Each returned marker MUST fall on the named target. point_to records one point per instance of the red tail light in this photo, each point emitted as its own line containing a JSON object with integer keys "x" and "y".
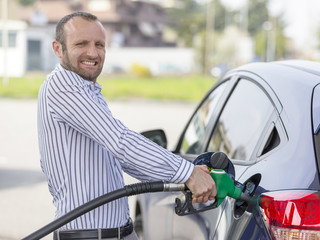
{"x": 292, "y": 215}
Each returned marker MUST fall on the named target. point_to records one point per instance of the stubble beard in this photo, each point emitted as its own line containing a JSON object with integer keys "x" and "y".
{"x": 67, "y": 64}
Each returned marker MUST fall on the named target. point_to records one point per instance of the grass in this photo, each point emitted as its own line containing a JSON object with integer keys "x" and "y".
{"x": 186, "y": 88}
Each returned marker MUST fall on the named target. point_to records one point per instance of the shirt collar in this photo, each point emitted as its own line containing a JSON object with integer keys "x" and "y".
{"x": 94, "y": 86}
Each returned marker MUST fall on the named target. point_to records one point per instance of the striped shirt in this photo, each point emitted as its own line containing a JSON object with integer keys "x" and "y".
{"x": 84, "y": 150}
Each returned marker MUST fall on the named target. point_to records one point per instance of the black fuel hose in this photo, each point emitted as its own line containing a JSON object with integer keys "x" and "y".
{"x": 126, "y": 191}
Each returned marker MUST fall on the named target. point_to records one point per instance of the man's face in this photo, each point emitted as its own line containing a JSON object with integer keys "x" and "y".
{"x": 85, "y": 48}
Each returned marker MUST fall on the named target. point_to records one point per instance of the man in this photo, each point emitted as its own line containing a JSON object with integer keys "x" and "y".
{"x": 84, "y": 149}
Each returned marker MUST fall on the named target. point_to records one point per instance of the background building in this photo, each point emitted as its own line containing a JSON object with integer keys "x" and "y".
{"x": 13, "y": 56}
{"x": 134, "y": 35}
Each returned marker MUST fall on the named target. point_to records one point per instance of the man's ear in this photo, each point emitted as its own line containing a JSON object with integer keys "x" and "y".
{"x": 57, "y": 48}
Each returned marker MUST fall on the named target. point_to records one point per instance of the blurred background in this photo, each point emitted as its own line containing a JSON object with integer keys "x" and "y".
{"x": 162, "y": 57}
{"x": 165, "y": 36}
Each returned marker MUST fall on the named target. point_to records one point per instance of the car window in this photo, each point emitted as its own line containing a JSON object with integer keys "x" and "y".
{"x": 242, "y": 121}
{"x": 199, "y": 122}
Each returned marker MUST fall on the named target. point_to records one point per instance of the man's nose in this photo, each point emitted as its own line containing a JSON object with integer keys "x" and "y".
{"x": 92, "y": 50}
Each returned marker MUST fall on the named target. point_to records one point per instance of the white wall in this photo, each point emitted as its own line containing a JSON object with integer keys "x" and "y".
{"x": 158, "y": 60}
{"x": 15, "y": 56}
{"x": 45, "y": 35}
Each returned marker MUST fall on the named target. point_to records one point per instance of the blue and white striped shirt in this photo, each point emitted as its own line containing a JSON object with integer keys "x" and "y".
{"x": 84, "y": 150}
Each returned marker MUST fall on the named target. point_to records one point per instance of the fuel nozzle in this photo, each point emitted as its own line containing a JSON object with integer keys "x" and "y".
{"x": 223, "y": 173}
{"x": 226, "y": 187}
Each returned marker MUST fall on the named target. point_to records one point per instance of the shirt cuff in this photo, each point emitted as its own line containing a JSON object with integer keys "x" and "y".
{"x": 184, "y": 172}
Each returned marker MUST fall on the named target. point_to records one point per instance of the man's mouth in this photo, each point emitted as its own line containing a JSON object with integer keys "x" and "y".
{"x": 89, "y": 63}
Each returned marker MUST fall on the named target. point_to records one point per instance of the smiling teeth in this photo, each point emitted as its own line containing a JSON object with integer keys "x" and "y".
{"x": 89, "y": 63}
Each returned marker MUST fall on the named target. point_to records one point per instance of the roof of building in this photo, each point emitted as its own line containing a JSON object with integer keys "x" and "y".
{"x": 107, "y": 11}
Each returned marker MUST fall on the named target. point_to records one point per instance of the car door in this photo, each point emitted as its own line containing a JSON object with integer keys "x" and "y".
{"x": 237, "y": 125}
{"x": 190, "y": 146}
{"x": 162, "y": 204}
{"x": 247, "y": 129}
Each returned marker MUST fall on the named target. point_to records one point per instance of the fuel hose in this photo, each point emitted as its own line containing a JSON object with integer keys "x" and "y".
{"x": 126, "y": 191}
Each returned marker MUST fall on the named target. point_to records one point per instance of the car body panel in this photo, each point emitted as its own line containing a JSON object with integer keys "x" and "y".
{"x": 316, "y": 109}
{"x": 293, "y": 88}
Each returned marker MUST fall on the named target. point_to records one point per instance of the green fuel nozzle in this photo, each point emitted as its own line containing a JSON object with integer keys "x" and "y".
{"x": 225, "y": 187}
{"x": 222, "y": 171}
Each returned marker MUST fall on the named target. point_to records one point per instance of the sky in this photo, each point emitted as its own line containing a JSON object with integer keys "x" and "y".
{"x": 302, "y": 18}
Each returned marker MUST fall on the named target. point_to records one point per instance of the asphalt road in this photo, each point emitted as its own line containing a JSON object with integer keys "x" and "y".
{"x": 25, "y": 202}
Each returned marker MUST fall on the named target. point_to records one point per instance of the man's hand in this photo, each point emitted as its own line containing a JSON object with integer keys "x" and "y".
{"x": 201, "y": 185}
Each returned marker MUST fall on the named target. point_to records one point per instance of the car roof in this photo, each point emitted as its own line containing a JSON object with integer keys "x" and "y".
{"x": 286, "y": 78}
{"x": 267, "y": 69}
{"x": 292, "y": 82}
{"x": 296, "y": 84}
{"x": 303, "y": 65}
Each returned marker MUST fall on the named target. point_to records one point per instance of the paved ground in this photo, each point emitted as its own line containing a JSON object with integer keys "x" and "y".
{"x": 25, "y": 203}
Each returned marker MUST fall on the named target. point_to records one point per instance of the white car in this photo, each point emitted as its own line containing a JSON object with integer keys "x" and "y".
{"x": 266, "y": 118}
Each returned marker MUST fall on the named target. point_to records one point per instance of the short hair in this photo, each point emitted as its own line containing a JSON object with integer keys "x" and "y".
{"x": 60, "y": 36}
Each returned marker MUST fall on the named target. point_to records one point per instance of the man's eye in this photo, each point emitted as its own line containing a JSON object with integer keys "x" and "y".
{"x": 100, "y": 45}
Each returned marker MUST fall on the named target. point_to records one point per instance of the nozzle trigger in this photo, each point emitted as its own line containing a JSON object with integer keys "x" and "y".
{"x": 187, "y": 207}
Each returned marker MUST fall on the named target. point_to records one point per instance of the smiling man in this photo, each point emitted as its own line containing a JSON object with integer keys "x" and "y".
{"x": 84, "y": 150}
{"x": 80, "y": 45}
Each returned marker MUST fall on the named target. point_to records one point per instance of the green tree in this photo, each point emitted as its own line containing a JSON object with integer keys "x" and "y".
{"x": 26, "y": 2}
{"x": 281, "y": 40}
{"x": 258, "y": 15}
{"x": 259, "y": 25}
{"x": 190, "y": 23}
{"x": 219, "y": 16}
{"x": 189, "y": 19}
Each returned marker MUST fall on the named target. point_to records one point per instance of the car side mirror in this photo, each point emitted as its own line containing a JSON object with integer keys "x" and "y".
{"x": 158, "y": 136}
